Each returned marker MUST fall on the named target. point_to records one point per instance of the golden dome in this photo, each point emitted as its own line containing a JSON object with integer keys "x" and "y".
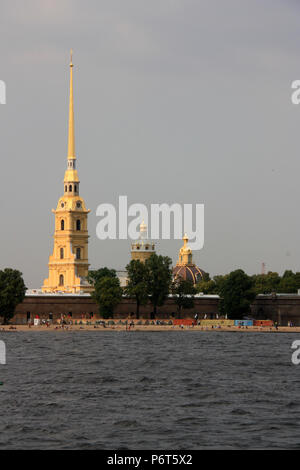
{"x": 185, "y": 267}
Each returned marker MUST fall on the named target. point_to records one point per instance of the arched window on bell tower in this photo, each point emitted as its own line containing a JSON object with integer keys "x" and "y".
{"x": 61, "y": 280}
{"x": 78, "y": 225}
{"x": 61, "y": 253}
{"x": 70, "y": 188}
{"x": 62, "y": 225}
{"x": 78, "y": 253}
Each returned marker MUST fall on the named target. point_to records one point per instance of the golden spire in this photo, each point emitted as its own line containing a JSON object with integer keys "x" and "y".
{"x": 71, "y": 138}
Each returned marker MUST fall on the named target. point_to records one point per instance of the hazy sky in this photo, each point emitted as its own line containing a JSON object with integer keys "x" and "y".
{"x": 182, "y": 101}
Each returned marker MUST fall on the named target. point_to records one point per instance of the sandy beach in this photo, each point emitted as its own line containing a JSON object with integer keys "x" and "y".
{"x": 150, "y": 328}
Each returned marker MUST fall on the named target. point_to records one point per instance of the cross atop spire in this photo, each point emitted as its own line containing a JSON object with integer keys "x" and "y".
{"x": 71, "y": 138}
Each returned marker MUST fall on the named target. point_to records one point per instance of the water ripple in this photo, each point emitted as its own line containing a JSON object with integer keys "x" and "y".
{"x": 166, "y": 390}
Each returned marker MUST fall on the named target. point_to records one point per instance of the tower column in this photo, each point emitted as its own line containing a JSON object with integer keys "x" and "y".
{"x": 68, "y": 264}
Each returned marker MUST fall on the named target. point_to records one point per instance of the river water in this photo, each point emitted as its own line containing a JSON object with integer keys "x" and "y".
{"x": 149, "y": 390}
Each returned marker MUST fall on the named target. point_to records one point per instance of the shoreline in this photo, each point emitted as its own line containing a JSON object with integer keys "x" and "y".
{"x": 148, "y": 328}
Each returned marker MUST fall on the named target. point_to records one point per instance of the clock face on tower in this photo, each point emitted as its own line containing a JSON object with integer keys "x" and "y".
{"x": 78, "y": 205}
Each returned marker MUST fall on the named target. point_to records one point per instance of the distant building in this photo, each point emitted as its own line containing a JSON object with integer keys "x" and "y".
{"x": 68, "y": 264}
{"x": 123, "y": 277}
{"x": 185, "y": 267}
{"x": 142, "y": 248}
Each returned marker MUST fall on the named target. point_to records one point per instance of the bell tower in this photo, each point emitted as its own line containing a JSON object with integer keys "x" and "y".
{"x": 142, "y": 248}
{"x": 68, "y": 264}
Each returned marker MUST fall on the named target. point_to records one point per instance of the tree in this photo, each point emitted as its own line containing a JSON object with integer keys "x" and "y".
{"x": 211, "y": 286}
{"x": 266, "y": 283}
{"x": 159, "y": 278}
{"x": 206, "y": 287}
{"x": 95, "y": 276}
{"x": 237, "y": 293}
{"x": 205, "y": 277}
{"x": 289, "y": 283}
{"x": 183, "y": 292}
{"x": 137, "y": 283}
{"x": 12, "y": 292}
{"x": 107, "y": 294}
{"x": 219, "y": 281}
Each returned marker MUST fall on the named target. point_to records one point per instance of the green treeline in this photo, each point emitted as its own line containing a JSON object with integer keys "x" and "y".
{"x": 153, "y": 282}
{"x": 288, "y": 283}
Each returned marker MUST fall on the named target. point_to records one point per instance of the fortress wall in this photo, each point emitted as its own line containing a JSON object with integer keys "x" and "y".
{"x": 83, "y": 305}
{"x": 281, "y": 308}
